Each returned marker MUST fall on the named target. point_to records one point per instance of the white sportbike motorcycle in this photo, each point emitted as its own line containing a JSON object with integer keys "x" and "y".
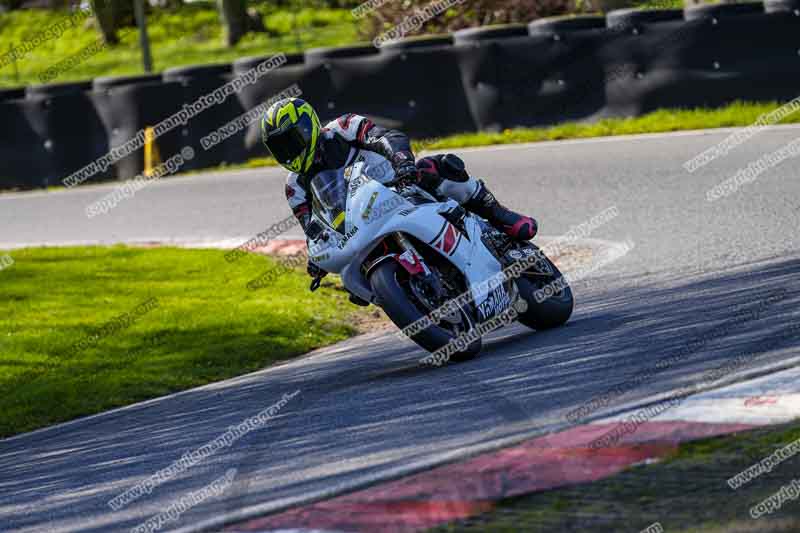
{"x": 415, "y": 256}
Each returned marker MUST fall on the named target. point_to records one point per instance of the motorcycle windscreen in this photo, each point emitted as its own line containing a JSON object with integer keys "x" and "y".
{"x": 329, "y": 192}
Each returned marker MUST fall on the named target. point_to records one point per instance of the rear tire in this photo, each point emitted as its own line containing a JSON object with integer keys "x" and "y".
{"x": 556, "y": 308}
{"x": 403, "y": 311}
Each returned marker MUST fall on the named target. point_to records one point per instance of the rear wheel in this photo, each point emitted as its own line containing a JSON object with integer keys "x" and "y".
{"x": 548, "y": 295}
{"x": 405, "y": 304}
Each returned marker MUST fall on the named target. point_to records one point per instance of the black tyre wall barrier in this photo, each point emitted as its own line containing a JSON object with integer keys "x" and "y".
{"x": 56, "y": 89}
{"x": 412, "y": 43}
{"x": 705, "y": 63}
{"x": 347, "y": 67}
{"x": 551, "y": 71}
{"x": 25, "y": 158}
{"x": 783, "y": 6}
{"x": 530, "y": 81}
{"x": 115, "y": 81}
{"x": 418, "y": 91}
{"x": 638, "y": 62}
{"x": 127, "y": 110}
{"x": 320, "y": 55}
{"x": 72, "y": 130}
{"x": 718, "y": 11}
{"x": 635, "y": 19}
{"x": 244, "y": 64}
{"x": 432, "y": 101}
{"x": 487, "y": 33}
{"x": 312, "y": 82}
{"x": 559, "y": 25}
{"x": 11, "y": 94}
{"x": 198, "y": 82}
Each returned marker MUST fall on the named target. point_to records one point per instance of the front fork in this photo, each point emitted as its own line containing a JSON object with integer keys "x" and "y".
{"x": 409, "y": 258}
{"x": 424, "y": 282}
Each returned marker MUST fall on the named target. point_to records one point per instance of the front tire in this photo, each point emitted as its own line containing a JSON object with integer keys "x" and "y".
{"x": 387, "y": 282}
{"x": 548, "y": 295}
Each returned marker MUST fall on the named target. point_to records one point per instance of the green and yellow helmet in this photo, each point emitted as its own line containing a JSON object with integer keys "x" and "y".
{"x": 290, "y": 129}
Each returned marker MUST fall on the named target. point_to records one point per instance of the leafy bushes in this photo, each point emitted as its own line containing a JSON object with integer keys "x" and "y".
{"x": 466, "y": 14}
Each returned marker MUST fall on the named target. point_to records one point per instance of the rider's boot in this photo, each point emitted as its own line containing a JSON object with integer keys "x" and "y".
{"x": 446, "y": 175}
{"x": 484, "y": 204}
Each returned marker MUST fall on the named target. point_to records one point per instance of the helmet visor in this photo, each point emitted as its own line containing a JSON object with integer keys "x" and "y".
{"x": 290, "y": 143}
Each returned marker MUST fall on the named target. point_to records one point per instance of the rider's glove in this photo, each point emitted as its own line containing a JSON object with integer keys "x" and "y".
{"x": 404, "y": 166}
{"x": 314, "y": 271}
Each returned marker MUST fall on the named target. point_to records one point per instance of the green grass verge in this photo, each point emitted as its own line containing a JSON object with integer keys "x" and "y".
{"x": 660, "y": 4}
{"x": 206, "y": 327}
{"x": 686, "y": 493}
{"x": 191, "y": 35}
{"x": 666, "y": 120}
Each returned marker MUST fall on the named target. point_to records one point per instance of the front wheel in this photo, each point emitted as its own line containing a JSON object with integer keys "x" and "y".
{"x": 548, "y": 295}
{"x": 404, "y": 305}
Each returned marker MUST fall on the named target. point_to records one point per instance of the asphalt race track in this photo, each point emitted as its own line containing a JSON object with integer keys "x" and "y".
{"x": 366, "y": 410}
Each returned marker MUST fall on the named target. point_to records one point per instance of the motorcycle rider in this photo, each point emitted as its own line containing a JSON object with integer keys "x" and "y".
{"x": 292, "y": 132}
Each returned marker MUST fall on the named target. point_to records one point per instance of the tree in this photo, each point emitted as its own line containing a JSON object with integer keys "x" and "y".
{"x": 111, "y": 15}
{"x": 238, "y": 20}
{"x": 466, "y": 15}
{"x": 9, "y": 5}
{"x": 104, "y": 15}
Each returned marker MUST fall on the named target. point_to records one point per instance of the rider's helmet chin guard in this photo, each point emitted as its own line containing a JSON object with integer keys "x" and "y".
{"x": 290, "y": 129}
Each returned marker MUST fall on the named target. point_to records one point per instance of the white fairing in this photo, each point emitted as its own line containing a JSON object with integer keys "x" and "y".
{"x": 374, "y": 211}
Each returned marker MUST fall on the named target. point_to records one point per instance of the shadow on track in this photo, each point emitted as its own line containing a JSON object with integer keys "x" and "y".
{"x": 367, "y": 407}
